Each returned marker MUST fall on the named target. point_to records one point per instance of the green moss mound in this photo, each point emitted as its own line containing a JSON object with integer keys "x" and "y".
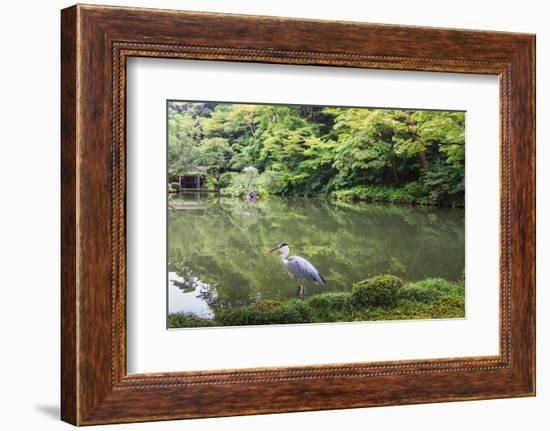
{"x": 381, "y": 291}
{"x": 432, "y": 289}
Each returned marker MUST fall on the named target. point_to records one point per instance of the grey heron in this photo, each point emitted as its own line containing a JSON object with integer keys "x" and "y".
{"x": 298, "y": 267}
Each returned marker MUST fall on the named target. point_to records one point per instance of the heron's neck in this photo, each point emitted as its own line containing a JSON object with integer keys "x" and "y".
{"x": 282, "y": 258}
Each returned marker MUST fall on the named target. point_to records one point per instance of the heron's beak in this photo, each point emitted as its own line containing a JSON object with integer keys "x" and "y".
{"x": 273, "y": 249}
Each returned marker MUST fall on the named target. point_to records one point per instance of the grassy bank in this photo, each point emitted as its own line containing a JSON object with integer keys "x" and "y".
{"x": 384, "y": 297}
{"x": 411, "y": 194}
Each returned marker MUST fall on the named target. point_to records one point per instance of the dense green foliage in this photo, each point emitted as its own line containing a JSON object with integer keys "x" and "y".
{"x": 357, "y": 153}
{"x": 427, "y": 299}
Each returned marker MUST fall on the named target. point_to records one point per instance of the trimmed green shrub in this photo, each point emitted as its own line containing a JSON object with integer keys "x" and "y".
{"x": 291, "y": 311}
{"x": 431, "y": 289}
{"x": 330, "y": 306}
{"x": 333, "y": 301}
{"x": 188, "y": 320}
{"x": 380, "y": 291}
{"x": 265, "y": 305}
{"x": 235, "y": 317}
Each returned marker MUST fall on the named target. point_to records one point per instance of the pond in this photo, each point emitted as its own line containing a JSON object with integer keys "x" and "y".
{"x": 218, "y": 247}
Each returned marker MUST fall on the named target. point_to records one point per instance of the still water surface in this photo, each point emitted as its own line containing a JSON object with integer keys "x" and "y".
{"x": 218, "y": 247}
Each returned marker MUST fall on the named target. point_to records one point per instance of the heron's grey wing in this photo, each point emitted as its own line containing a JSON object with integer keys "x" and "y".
{"x": 301, "y": 268}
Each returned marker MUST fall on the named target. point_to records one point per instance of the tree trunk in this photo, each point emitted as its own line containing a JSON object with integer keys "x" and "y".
{"x": 394, "y": 169}
{"x": 423, "y": 158}
{"x": 414, "y": 136}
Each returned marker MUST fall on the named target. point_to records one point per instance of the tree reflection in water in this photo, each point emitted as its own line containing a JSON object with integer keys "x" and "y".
{"x": 220, "y": 245}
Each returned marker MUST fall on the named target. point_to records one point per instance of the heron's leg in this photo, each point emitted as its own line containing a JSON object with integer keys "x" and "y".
{"x": 301, "y": 291}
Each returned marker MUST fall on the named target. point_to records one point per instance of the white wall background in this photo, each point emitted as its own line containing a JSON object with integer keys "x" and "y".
{"x": 29, "y": 215}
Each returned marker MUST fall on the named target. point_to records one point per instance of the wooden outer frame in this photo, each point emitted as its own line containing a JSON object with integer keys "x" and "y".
{"x": 96, "y": 41}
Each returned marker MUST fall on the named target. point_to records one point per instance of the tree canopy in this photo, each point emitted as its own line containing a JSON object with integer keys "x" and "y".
{"x": 305, "y": 150}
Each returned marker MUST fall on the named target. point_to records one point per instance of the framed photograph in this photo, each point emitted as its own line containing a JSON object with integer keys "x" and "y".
{"x": 264, "y": 215}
